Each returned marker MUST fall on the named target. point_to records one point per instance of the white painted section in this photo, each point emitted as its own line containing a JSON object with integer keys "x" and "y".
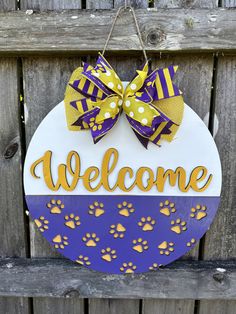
{"x": 192, "y": 147}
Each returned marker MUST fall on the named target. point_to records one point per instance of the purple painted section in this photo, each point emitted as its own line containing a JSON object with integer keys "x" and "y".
{"x": 174, "y": 225}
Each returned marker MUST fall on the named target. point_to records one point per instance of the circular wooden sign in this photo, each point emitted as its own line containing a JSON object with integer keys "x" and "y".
{"x": 116, "y": 207}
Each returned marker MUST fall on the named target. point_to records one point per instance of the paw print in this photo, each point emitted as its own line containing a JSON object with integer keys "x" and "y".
{"x": 154, "y": 266}
{"x": 96, "y": 209}
{"x": 140, "y": 245}
{"x": 55, "y": 206}
{"x": 72, "y": 221}
{"x": 166, "y": 248}
{"x": 90, "y": 239}
{"x": 147, "y": 223}
{"x": 125, "y": 209}
{"x": 83, "y": 260}
{"x": 199, "y": 212}
{"x": 117, "y": 230}
{"x": 108, "y": 254}
{"x": 94, "y": 126}
{"x": 191, "y": 242}
{"x": 60, "y": 241}
{"x": 128, "y": 268}
{"x": 167, "y": 208}
{"x": 178, "y": 226}
{"x": 42, "y": 223}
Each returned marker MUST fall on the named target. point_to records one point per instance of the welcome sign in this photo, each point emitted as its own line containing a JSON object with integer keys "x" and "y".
{"x": 115, "y": 206}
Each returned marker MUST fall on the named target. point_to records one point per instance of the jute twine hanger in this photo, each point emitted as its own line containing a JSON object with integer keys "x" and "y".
{"x": 121, "y": 9}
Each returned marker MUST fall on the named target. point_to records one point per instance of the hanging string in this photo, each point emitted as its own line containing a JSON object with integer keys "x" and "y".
{"x": 136, "y": 25}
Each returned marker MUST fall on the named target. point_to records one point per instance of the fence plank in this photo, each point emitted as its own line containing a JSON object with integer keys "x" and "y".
{"x": 13, "y": 241}
{"x": 63, "y": 278}
{"x": 7, "y": 5}
{"x": 45, "y": 81}
{"x": 186, "y": 4}
{"x": 220, "y": 241}
{"x": 55, "y": 5}
{"x": 78, "y": 31}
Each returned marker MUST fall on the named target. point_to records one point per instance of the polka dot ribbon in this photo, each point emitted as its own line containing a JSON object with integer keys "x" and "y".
{"x": 95, "y": 98}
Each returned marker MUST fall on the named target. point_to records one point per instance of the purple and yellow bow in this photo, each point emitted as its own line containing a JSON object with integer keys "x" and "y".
{"x": 95, "y": 97}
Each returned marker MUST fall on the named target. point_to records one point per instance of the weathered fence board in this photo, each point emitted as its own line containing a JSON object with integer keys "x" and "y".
{"x": 186, "y": 4}
{"x": 220, "y": 241}
{"x": 162, "y": 30}
{"x": 13, "y": 241}
{"x": 50, "y": 4}
{"x": 63, "y": 278}
{"x": 44, "y": 81}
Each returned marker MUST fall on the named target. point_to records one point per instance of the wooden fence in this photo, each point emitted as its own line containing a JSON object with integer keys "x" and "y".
{"x": 38, "y": 51}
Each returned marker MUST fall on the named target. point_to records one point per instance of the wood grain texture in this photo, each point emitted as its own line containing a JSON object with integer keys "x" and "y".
{"x": 162, "y": 30}
{"x": 13, "y": 241}
{"x": 56, "y": 5}
{"x": 101, "y": 4}
{"x": 186, "y": 3}
{"x": 137, "y": 4}
{"x": 113, "y": 306}
{"x": 7, "y": 5}
{"x": 221, "y": 239}
{"x": 45, "y": 80}
{"x": 63, "y": 278}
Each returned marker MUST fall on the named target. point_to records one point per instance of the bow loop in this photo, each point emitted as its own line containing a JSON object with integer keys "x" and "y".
{"x": 95, "y": 98}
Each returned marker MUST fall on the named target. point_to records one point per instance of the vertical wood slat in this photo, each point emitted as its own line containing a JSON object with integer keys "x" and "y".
{"x": 56, "y": 5}
{"x": 186, "y": 3}
{"x": 45, "y": 82}
{"x": 13, "y": 240}
{"x": 220, "y": 241}
{"x": 45, "y": 79}
{"x": 7, "y": 5}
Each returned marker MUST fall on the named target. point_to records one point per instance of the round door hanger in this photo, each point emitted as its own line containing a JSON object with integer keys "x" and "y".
{"x": 115, "y": 206}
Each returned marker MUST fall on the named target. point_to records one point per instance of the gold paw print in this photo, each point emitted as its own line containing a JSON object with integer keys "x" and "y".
{"x": 42, "y": 223}
{"x": 96, "y": 209}
{"x": 108, "y": 254}
{"x": 166, "y": 248}
{"x": 55, "y": 206}
{"x": 72, "y": 221}
{"x": 178, "y": 226}
{"x": 154, "y": 266}
{"x": 167, "y": 208}
{"x": 128, "y": 268}
{"x": 191, "y": 242}
{"x": 83, "y": 260}
{"x": 117, "y": 230}
{"x": 125, "y": 209}
{"x": 147, "y": 223}
{"x": 199, "y": 212}
{"x": 94, "y": 126}
{"x": 60, "y": 241}
{"x": 140, "y": 245}
{"x": 90, "y": 239}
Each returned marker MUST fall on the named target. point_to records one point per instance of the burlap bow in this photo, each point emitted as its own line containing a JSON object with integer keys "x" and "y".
{"x": 95, "y": 97}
